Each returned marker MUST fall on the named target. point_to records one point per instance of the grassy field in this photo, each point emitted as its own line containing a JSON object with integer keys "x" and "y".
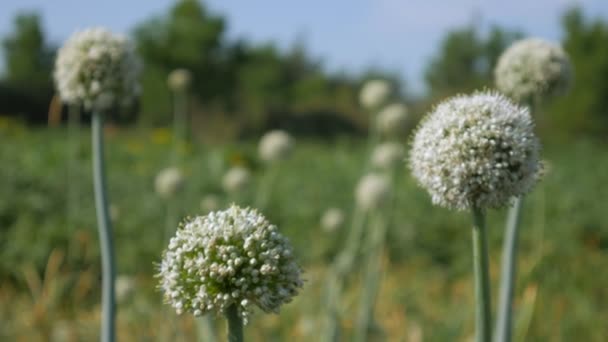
{"x": 49, "y": 258}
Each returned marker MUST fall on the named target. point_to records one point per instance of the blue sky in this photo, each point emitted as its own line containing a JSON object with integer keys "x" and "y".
{"x": 351, "y": 35}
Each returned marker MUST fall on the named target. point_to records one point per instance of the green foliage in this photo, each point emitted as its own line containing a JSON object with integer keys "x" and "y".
{"x": 428, "y": 277}
{"x": 465, "y": 60}
{"x": 26, "y": 88}
{"x": 188, "y": 37}
{"x": 28, "y": 58}
{"x": 246, "y": 81}
{"x": 584, "y": 109}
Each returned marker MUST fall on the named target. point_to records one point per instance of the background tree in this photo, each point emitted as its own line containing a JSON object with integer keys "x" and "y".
{"x": 28, "y": 58}
{"x": 188, "y": 37}
{"x": 466, "y": 60}
{"x": 584, "y": 110}
{"x": 26, "y": 88}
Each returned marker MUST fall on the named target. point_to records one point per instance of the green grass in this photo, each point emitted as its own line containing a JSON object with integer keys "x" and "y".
{"x": 562, "y": 285}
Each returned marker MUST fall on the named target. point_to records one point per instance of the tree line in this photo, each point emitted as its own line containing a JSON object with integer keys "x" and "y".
{"x": 241, "y": 87}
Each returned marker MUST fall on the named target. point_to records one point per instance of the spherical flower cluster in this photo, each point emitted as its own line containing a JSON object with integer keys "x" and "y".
{"x": 168, "y": 182}
{"x": 372, "y": 191}
{"x": 230, "y": 257}
{"x": 275, "y": 145}
{"x": 374, "y": 94}
{"x": 532, "y": 67}
{"x": 236, "y": 179}
{"x": 392, "y": 119}
{"x": 475, "y": 151}
{"x": 97, "y": 69}
{"x": 387, "y": 155}
{"x": 332, "y": 219}
{"x": 179, "y": 79}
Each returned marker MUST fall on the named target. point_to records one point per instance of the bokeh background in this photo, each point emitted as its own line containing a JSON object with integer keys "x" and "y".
{"x": 273, "y": 64}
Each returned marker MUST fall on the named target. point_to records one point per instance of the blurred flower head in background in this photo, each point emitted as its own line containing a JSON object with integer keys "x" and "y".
{"x": 209, "y": 203}
{"x": 387, "y": 155}
{"x": 230, "y": 257}
{"x": 275, "y": 145}
{"x": 179, "y": 80}
{"x": 236, "y": 179}
{"x": 372, "y": 191}
{"x": 532, "y": 68}
{"x": 478, "y": 150}
{"x": 168, "y": 182}
{"x": 97, "y": 69}
{"x": 374, "y": 94}
{"x": 392, "y": 120}
{"x": 125, "y": 286}
{"x": 332, "y": 219}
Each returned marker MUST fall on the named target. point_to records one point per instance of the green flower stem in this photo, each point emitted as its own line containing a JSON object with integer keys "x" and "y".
{"x": 264, "y": 192}
{"x": 341, "y": 267}
{"x": 205, "y": 329}
{"x": 235, "y": 324}
{"x": 170, "y": 219}
{"x": 346, "y": 257}
{"x": 180, "y": 122}
{"x": 105, "y": 232}
{"x": 331, "y": 328}
{"x": 372, "y": 277}
{"x": 483, "y": 316}
{"x": 504, "y": 319}
{"x": 73, "y": 147}
{"x": 373, "y": 136}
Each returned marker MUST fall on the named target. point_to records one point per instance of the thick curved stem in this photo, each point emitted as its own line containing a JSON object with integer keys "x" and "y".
{"x": 105, "y": 232}
{"x": 504, "y": 319}
{"x": 235, "y": 324}
{"x": 483, "y": 316}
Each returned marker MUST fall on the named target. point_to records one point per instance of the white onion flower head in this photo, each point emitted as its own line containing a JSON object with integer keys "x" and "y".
{"x": 114, "y": 212}
{"x": 332, "y": 219}
{"x": 374, "y": 94}
{"x": 372, "y": 191}
{"x": 532, "y": 67}
{"x": 392, "y": 119}
{"x": 477, "y": 151}
{"x": 124, "y": 287}
{"x": 387, "y": 155}
{"x": 179, "y": 79}
{"x": 230, "y": 257}
{"x": 275, "y": 145}
{"x": 209, "y": 203}
{"x": 236, "y": 179}
{"x": 97, "y": 69}
{"x": 168, "y": 182}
